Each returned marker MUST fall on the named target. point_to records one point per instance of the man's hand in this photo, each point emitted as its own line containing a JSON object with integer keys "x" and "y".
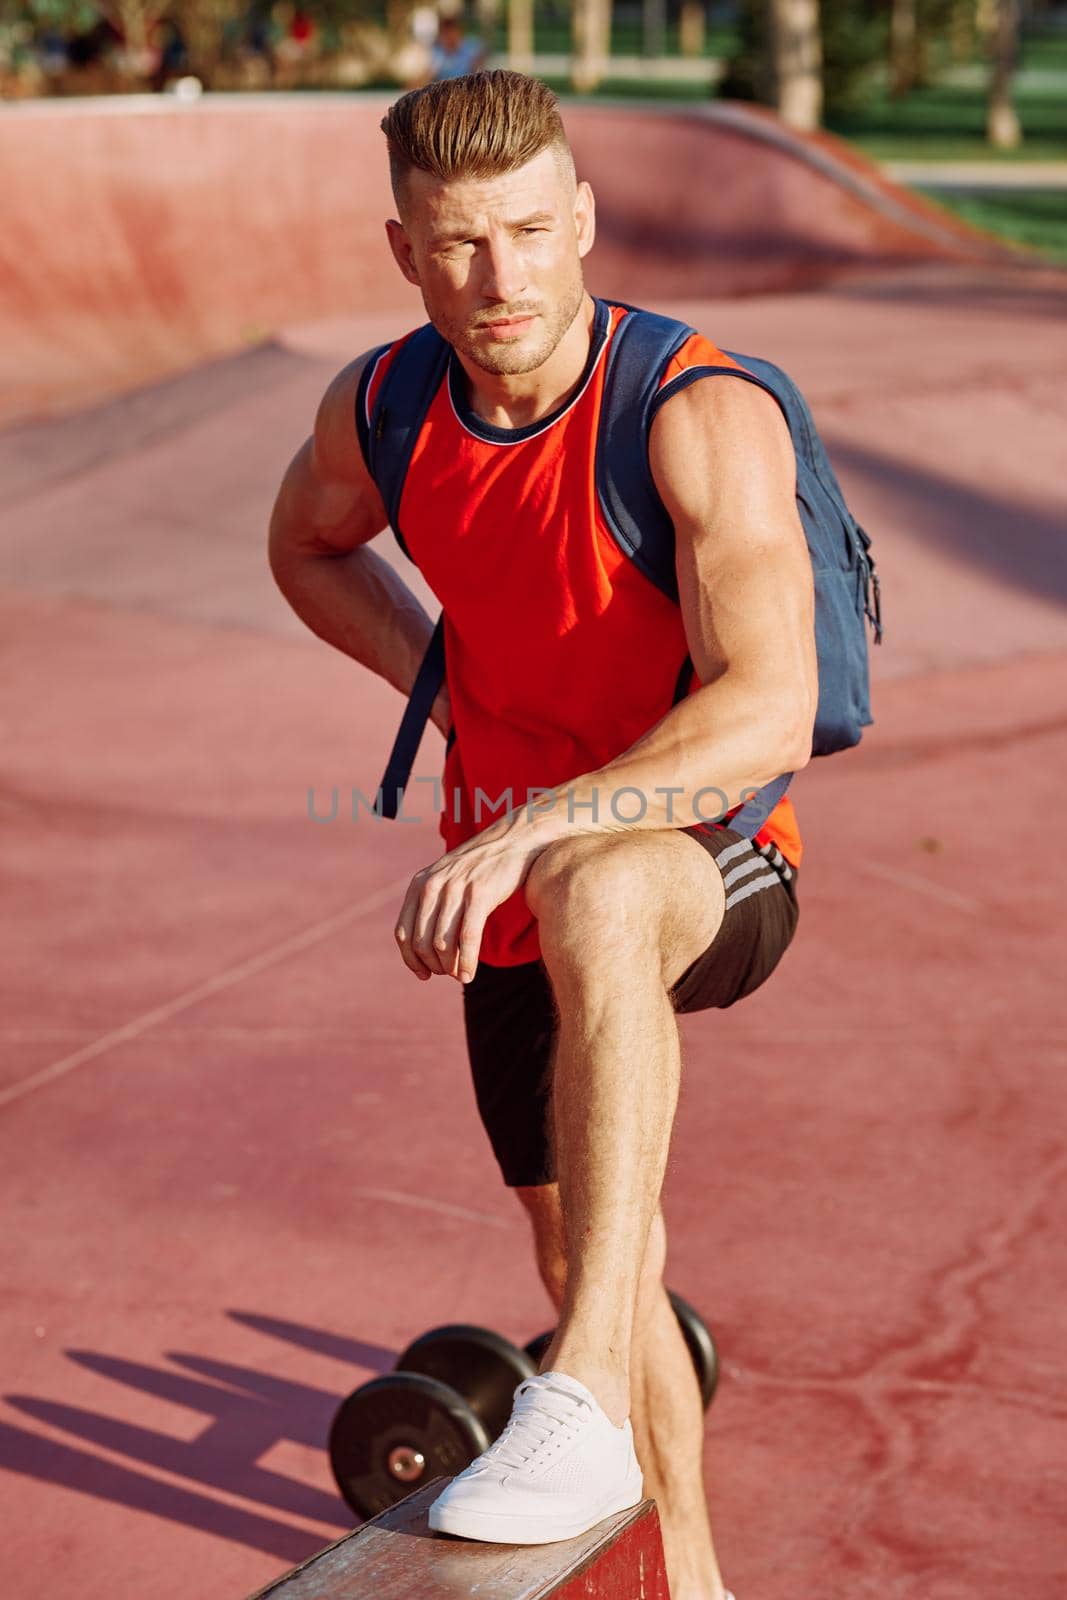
{"x": 439, "y": 930}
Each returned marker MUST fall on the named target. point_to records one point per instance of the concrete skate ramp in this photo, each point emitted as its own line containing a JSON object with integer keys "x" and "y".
{"x": 145, "y": 236}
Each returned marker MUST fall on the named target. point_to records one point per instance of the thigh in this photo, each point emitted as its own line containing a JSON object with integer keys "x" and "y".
{"x": 757, "y": 927}
{"x": 510, "y": 1018}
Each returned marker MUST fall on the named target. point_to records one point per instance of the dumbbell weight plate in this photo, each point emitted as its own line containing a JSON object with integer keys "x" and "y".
{"x": 396, "y": 1432}
{"x": 697, "y": 1337}
{"x": 482, "y": 1366}
{"x": 700, "y": 1344}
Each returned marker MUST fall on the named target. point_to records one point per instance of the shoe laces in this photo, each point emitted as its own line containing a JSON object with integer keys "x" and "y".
{"x": 538, "y": 1414}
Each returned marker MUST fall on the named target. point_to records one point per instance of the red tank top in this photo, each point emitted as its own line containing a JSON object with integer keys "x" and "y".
{"x": 560, "y": 652}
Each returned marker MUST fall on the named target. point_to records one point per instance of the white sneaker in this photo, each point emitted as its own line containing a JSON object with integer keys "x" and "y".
{"x": 559, "y": 1467}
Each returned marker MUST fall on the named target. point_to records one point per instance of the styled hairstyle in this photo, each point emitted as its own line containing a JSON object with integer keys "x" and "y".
{"x": 478, "y": 126}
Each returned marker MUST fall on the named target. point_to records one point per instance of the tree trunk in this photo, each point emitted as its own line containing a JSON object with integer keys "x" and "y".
{"x": 202, "y": 22}
{"x": 796, "y": 49}
{"x": 962, "y": 29}
{"x": 691, "y": 28}
{"x": 398, "y": 22}
{"x": 488, "y": 16}
{"x": 591, "y": 21}
{"x": 654, "y": 28}
{"x": 1002, "y": 124}
{"x": 520, "y": 35}
{"x": 903, "y": 38}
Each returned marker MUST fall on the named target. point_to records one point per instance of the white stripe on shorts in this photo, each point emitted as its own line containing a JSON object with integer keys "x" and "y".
{"x": 770, "y": 880}
{"x": 734, "y": 850}
{"x": 743, "y": 870}
{"x": 771, "y": 853}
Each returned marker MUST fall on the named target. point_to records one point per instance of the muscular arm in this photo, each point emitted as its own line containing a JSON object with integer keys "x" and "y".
{"x": 326, "y": 511}
{"x": 723, "y": 462}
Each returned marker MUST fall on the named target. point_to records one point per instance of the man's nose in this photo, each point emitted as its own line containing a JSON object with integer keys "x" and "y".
{"x": 504, "y": 273}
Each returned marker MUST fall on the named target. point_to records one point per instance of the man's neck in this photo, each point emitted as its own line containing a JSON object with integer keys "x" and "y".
{"x": 506, "y": 401}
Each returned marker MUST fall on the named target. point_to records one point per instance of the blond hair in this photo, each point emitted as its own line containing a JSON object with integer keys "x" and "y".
{"x": 478, "y": 126}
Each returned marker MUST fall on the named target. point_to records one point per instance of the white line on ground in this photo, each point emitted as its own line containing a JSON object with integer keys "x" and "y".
{"x": 911, "y": 880}
{"x": 442, "y": 1207}
{"x": 222, "y": 980}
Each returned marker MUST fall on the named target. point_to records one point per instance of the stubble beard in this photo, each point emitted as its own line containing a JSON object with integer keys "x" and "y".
{"x": 512, "y": 360}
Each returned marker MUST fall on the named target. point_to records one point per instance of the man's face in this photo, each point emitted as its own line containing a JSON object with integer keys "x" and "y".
{"x": 498, "y": 260}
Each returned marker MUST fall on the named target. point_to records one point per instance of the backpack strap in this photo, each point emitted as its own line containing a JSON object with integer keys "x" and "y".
{"x": 428, "y": 680}
{"x": 640, "y": 349}
{"x": 754, "y": 813}
{"x": 387, "y": 435}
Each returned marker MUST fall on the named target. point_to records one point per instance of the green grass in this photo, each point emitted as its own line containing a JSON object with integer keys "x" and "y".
{"x": 1045, "y": 49}
{"x": 1036, "y": 218}
{"x": 947, "y": 123}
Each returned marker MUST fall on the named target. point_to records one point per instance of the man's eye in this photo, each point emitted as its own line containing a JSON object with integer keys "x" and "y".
{"x": 535, "y": 230}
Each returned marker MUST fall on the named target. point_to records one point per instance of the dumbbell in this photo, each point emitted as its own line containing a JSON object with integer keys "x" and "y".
{"x": 449, "y": 1396}
{"x": 698, "y": 1340}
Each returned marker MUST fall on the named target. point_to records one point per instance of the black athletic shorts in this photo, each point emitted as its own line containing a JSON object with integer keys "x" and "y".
{"x": 510, "y": 1015}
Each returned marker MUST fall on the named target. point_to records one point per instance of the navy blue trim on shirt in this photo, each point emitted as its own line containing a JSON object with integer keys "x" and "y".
{"x": 457, "y": 388}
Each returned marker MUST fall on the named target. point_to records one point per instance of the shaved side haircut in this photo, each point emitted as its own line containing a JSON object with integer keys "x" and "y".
{"x": 479, "y": 126}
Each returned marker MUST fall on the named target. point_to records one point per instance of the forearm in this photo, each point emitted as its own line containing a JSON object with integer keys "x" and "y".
{"x": 360, "y": 605}
{"x": 706, "y": 756}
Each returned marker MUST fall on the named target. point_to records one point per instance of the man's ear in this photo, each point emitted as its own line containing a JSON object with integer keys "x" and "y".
{"x": 400, "y": 245}
{"x": 584, "y": 218}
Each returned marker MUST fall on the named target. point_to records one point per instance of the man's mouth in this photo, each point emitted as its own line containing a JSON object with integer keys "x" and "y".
{"x": 509, "y": 327}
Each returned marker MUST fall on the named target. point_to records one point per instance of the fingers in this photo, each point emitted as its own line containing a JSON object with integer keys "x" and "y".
{"x": 427, "y": 929}
{"x": 476, "y": 911}
{"x": 437, "y": 925}
{"x": 405, "y": 925}
{"x": 442, "y": 921}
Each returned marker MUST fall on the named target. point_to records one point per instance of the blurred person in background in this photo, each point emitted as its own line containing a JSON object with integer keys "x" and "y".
{"x": 453, "y": 55}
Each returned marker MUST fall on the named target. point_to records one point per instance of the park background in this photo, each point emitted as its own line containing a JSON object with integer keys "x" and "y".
{"x": 241, "y": 1165}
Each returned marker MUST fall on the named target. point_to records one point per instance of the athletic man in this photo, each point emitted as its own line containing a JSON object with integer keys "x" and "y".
{"x": 577, "y": 926}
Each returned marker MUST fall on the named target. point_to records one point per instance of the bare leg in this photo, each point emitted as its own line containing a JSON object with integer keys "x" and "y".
{"x": 609, "y": 916}
{"x": 666, "y": 1413}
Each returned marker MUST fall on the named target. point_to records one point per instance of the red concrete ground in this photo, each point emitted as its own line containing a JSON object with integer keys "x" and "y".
{"x": 241, "y": 1160}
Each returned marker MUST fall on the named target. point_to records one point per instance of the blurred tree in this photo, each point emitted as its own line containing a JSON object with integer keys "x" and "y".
{"x": 591, "y": 43}
{"x": 1002, "y": 124}
{"x": 204, "y": 24}
{"x": 691, "y": 27}
{"x": 796, "y": 53}
{"x": 853, "y": 49}
{"x": 748, "y": 74}
{"x": 398, "y": 21}
{"x": 520, "y": 34}
{"x": 135, "y": 20}
{"x": 962, "y": 29}
{"x": 903, "y": 38}
{"x": 654, "y": 28}
{"x": 852, "y": 40}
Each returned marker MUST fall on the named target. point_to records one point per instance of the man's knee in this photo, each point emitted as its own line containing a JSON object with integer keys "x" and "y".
{"x": 591, "y": 884}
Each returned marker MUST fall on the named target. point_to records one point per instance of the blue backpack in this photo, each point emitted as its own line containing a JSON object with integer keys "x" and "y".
{"x": 845, "y": 577}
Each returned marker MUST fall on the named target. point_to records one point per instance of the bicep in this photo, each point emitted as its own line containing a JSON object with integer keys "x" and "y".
{"x": 327, "y": 503}
{"x": 723, "y": 462}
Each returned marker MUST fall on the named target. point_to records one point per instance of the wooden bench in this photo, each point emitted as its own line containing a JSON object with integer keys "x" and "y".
{"x": 396, "y": 1557}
